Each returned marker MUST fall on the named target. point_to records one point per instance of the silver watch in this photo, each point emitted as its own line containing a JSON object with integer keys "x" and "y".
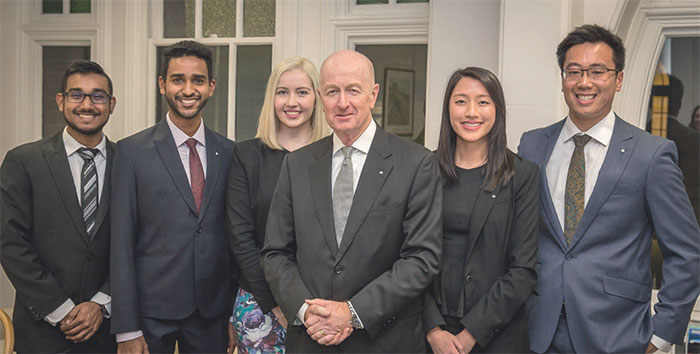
{"x": 354, "y": 319}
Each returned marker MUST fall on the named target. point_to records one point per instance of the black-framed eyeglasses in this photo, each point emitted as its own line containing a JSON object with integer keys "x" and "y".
{"x": 78, "y": 97}
{"x": 593, "y": 73}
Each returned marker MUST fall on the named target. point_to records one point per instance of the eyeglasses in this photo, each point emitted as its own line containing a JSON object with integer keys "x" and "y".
{"x": 593, "y": 73}
{"x": 78, "y": 97}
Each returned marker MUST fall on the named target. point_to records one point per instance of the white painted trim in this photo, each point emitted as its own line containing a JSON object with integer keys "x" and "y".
{"x": 239, "y": 18}
{"x": 231, "y": 123}
{"x": 198, "y": 19}
{"x": 650, "y": 27}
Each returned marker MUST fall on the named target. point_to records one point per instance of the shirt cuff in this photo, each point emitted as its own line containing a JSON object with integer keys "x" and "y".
{"x": 300, "y": 315}
{"x": 660, "y": 343}
{"x": 123, "y": 337}
{"x": 104, "y": 300}
{"x": 59, "y": 313}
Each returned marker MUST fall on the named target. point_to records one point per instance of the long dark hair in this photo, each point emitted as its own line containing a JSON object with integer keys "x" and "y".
{"x": 499, "y": 164}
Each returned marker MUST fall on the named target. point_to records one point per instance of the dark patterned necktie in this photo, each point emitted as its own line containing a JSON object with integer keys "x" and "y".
{"x": 342, "y": 194}
{"x": 575, "y": 187}
{"x": 88, "y": 187}
{"x": 196, "y": 173}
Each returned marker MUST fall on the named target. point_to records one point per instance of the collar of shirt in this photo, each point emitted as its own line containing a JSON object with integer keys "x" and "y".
{"x": 180, "y": 137}
{"x": 600, "y": 132}
{"x": 363, "y": 143}
{"x": 71, "y": 145}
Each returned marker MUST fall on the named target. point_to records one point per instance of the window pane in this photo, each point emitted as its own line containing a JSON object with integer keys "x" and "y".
{"x": 407, "y": 1}
{"x": 400, "y": 72}
{"x": 215, "y": 112}
{"x": 369, "y": 2}
{"x": 259, "y": 18}
{"x": 55, "y": 61}
{"x": 178, "y": 18}
{"x": 252, "y": 72}
{"x": 219, "y": 18}
{"x": 52, "y": 6}
{"x": 80, "y": 6}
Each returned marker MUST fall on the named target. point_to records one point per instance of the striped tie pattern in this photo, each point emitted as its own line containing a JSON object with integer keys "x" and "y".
{"x": 342, "y": 194}
{"x": 88, "y": 185}
{"x": 575, "y": 185}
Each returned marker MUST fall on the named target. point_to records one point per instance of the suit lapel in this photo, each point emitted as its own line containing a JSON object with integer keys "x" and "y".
{"x": 377, "y": 168}
{"x": 320, "y": 182}
{"x": 165, "y": 145}
{"x": 551, "y": 136}
{"x": 622, "y": 144}
{"x": 103, "y": 205}
{"x": 55, "y": 155}
{"x": 482, "y": 209}
{"x": 214, "y": 164}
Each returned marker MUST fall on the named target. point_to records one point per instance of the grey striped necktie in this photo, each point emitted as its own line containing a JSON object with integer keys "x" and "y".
{"x": 88, "y": 186}
{"x": 342, "y": 194}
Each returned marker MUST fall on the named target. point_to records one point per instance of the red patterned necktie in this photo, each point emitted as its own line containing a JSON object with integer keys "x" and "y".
{"x": 196, "y": 173}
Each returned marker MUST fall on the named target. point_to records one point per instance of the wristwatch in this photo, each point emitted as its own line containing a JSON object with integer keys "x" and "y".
{"x": 354, "y": 319}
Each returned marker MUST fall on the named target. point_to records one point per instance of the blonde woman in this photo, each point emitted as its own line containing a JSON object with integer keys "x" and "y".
{"x": 291, "y": 118}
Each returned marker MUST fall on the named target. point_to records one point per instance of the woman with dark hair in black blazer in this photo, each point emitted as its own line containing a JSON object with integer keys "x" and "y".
{"x": 490, "y": 224}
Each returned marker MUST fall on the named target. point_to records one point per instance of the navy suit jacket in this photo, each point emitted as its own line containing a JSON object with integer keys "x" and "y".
{"x": 604, "y": 275}
{"x": 167, "y": 259}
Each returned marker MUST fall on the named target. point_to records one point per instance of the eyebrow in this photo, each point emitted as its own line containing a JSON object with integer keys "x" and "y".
{"x": 78, "y": 89}
{"x": 196, "y": 76}
{"x": 594, "y": 65}
{"x": 464, "y": 95}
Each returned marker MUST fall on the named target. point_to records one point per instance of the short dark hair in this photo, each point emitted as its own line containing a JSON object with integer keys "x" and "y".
{"x": 593, "y": 34}
{"x": 85, "y": 67}
{"x": 500, "y": 167}
{"x": 183, "y": 49}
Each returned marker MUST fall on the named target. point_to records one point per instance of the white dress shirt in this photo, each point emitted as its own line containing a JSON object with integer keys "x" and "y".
{"x": 358, "y": 157}
{"x": 180, "y": 138}
{"x": 594, "y": 154}
{"x": 75, "y": 162}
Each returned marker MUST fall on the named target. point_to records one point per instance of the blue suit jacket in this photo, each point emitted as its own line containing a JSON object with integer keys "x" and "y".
{"x": 167, "y": 259}
{"x": 604, "y": 275}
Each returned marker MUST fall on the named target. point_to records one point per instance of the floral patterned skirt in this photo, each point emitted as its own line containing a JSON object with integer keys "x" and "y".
{"x": 257, "y": 332}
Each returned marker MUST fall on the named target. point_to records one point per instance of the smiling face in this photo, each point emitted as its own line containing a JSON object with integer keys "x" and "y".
{"x": 589, "y": 100}
{"x": 85, "y": 120}
{"x": 348, "y": 93}
{"x": 294, "y": 100}
{"x": 186, "y": 87}
{"x": 472, "y": 112}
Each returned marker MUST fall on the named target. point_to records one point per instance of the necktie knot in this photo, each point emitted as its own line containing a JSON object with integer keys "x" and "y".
{"x": 88, "y": 154}
{"x": 347, "y": 151}
{"x": 581, "y": 140}
{"x": 191, "y": 142}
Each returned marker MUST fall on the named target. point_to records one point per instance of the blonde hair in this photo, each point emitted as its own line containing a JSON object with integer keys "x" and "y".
{"x": 268, "y": 124}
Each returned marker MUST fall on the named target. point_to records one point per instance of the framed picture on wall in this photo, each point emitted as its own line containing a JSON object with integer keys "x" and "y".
{"x": 398, "y": 101}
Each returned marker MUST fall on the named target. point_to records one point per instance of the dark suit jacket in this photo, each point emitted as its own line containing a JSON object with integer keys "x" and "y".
{"x": 167, "y": 259}
{"x": 603, "y": 276}
{"x": 499, "y": 273}
{"x": 251, "y": 181}
{"x": 390, "y": 250}
{"x": 45, "y": 249}
{"x": 688, "y": 143}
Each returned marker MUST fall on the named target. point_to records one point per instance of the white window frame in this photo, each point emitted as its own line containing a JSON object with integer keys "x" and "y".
{"x": 157, "y": 40}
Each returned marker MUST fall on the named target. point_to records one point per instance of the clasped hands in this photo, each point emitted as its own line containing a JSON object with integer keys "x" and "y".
{"x": 82, "y": 322}
{"x": 444, "y": 342}
{"x": 328, "y": 322}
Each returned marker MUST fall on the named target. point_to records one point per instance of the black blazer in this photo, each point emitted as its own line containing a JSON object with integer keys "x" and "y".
{"x": 251, "y": 181}
{"x": 499, "y": 274}
{"x": 167, "y": 260}
{"x": 390, "y": 250}
{"x": 44, "y": 246}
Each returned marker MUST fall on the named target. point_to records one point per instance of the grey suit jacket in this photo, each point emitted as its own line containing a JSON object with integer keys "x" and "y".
{"x": 390, "y": 250}
{"x": 167, "y": 259}
{"x": 45, "y": 249}
{"x": 604, "y": 276}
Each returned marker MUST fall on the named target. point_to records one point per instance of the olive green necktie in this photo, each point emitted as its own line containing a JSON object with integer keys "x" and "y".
{"x": 575, "y": 186}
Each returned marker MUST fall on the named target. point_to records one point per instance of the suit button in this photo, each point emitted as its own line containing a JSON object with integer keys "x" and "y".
{"x": 200, "y": 230}
{"x": 468, "y": 278}
{"x": 338, "y": 270}
{"x": 569, "y": 257}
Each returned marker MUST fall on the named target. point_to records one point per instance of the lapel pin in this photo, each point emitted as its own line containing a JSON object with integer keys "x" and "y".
{"x": 493, "y": 196}
{"x": 216, "y": 153}
{"x": 622, "y": 150}
{"x": 381, "y": 172}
